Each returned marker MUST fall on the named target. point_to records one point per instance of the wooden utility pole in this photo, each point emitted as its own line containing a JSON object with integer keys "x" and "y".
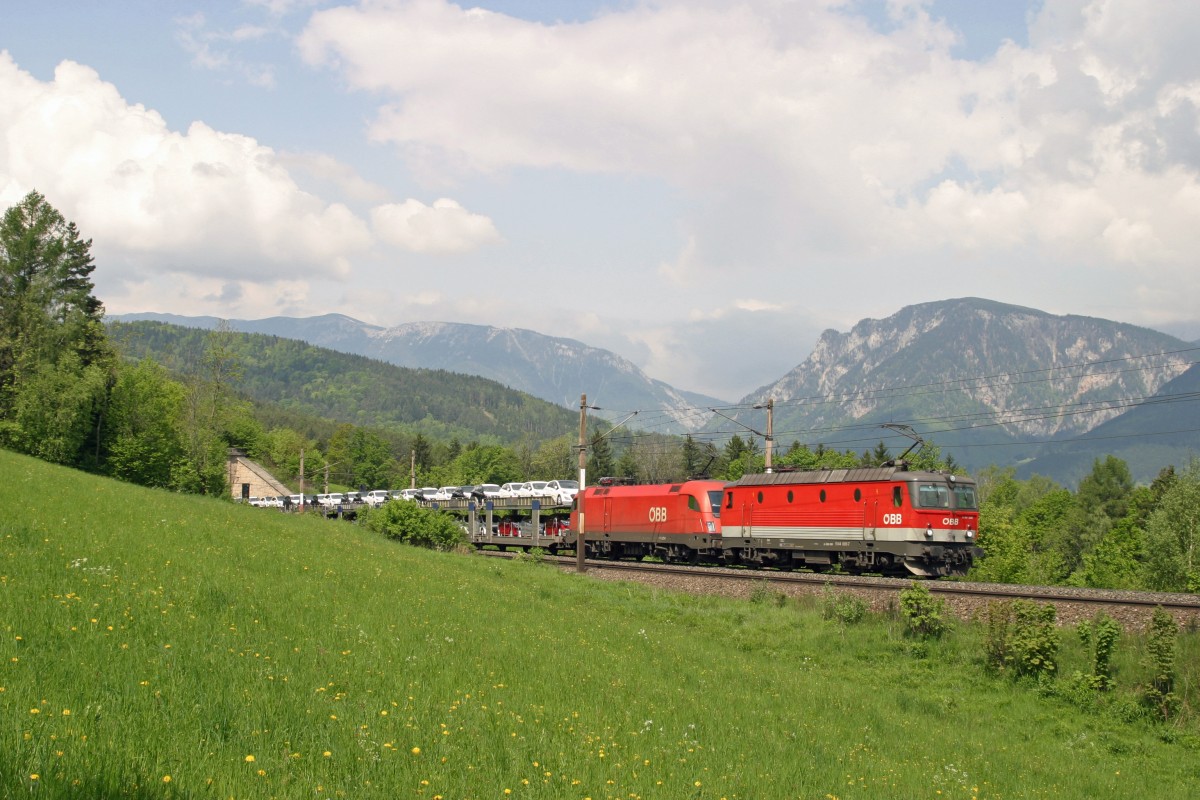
{"x": 770, "y": 437}
{"x": 326, "y": 479}
{"x": 580, "y": 538}
{"x": 301, "y": 478}
{"x": 412, "y": 471}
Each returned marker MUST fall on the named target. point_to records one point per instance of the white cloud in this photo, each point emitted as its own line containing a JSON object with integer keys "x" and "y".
{"x": 203, "y": 202}
{"x": 800, "y": 131}
{"x": 752, "y": 305}
{"x": 444, "y": 227}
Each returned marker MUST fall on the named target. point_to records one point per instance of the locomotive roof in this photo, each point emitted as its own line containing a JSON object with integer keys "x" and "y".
{"x": 858, "y": 474}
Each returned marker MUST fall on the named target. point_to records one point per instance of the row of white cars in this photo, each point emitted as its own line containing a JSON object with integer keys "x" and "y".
{"x": 560, "y": 492}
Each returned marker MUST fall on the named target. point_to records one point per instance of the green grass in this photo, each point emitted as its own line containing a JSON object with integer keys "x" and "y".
{"x": 244, "y": 653}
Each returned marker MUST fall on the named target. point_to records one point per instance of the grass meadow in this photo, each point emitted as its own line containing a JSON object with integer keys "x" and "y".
{"x": 156, "y": 645}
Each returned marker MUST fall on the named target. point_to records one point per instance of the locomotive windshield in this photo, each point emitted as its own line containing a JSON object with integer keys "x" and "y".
{"x": 938, "y": 495}
{"x": 933, "y": 495}
{"x": 714, "y": 500}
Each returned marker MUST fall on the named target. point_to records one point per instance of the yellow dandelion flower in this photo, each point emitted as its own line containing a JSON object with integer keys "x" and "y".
{"x": 416, "y": 751}
{"x": 508, "y": 791}
{"x": 166, "y": 778}
{"x": 327, "y": 754}
{"x": 262, "y": 772}
{"x": 249, "y": 759}
{"x": 35, "y": 711}
{"x": 66, "y": 712}
{"x": 34, "y": 777}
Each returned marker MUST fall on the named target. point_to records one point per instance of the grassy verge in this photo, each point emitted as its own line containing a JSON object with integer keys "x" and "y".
{"x": 157, "y": 645}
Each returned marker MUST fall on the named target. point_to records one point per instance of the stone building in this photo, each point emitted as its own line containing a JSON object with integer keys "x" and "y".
{"x": 249, "y": 479}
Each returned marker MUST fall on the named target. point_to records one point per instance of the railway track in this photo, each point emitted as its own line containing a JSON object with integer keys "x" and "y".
{"x": 966, "y": 600}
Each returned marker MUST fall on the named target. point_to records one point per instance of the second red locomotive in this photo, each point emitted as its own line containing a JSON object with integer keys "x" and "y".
{"x": 673, "y": 521}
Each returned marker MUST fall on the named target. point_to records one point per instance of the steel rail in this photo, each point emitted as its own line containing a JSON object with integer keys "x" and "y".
{"x": 1083, "y": 596}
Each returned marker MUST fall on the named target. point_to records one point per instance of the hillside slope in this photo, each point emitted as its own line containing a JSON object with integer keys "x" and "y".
{"x": 555, "y": 369}
{"x": 355, "y": 389}
{"x": 164, "y": 645}
{"x": 1163, "y": 430}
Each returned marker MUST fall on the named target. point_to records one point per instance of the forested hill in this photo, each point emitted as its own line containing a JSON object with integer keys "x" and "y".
{"x": 354, "y": 389}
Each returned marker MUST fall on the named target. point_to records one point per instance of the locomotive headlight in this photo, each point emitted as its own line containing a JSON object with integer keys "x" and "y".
{"x": 929, "y": 530}
{"x": 970, "y": 533}
{"x": 712, "y": 528}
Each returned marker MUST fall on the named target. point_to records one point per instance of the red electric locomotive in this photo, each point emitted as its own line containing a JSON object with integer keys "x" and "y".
{"x": 872, "y": 519}
{"x": 674, "y": 521}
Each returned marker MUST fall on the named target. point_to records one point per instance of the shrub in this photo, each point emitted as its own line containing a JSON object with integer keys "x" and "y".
{"x": 1160, "y": 657}
{"x": 1021, "y": 639}
{"x": 995, "y": 642}
{"x": 1100, "y": 636}
{"x": 763, "y": 593}
{"x": 1033, "y": 640}
{"x": 923, "y": 613}
{"x": 846, "y": 608}
{"x": 412, "y": 524}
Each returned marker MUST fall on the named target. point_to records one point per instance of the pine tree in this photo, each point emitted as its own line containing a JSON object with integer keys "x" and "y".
{"x": 55, "y": 361}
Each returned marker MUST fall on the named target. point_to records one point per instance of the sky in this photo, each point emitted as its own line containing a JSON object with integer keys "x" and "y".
{"x": 701, "y": 187}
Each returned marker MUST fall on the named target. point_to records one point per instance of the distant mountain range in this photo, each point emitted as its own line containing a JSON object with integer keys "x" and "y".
{"x": 994, "y": 384}
{"x": 551, "y": 368}
{"x": 990, "y": 383}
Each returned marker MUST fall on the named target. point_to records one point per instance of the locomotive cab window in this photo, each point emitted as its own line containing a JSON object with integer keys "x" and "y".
{"x": 964, "y": 497}
{"x": 714, "y": 500}
{"x": 933, "y": 495}
{"x": 897, "y": 496}
{"x": 730, "y": 502}
{"x": 693, "y": 503}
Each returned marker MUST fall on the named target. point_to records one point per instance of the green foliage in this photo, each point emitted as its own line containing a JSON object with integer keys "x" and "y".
{"x": 144, "y": 435}
{"x": 1021, "y": 639}
{"x": 923, "y": 613}
{"x": 1034, "y": 640}
{"x": 1036, "y": 532}
{"x": 55, "y": 361}
{"x": 600, "y": 461}
{"x": 362, "y": 458}
{"x": 996, "y": 623}
{"x": 1159, "y": 694}
{"x": 844, "y": 607}
{"x": 412, "y": 524}
{"x": 556, "y": 458}
{"x": 693, "y": 461}
{"x": 1100, "y": 636}
{"x": 1107, "y": 487}
{"x": 1172, "y": 541}
{"x": 762, "y": 594}
{"x": 355, "y": 389}
{"x": 800, "y": 456}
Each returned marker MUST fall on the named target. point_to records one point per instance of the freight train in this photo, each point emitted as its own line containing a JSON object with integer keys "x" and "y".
{"x": 873, "y": 519}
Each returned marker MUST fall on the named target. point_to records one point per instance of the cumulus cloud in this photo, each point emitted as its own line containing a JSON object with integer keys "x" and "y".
{"x": 444, "y": 227}
{"x": 201, "y": 201}
{"x": 807, "y": 131}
